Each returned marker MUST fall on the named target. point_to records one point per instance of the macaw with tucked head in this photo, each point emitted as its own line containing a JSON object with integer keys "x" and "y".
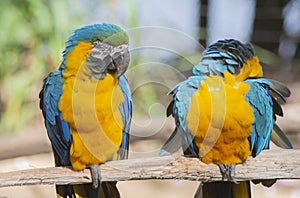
{"x": 225, "y": 113}
{"x": 87, "y": 106}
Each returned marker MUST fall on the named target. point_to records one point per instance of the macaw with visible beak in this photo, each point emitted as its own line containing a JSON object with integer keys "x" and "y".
{"x": 87, "y": 106}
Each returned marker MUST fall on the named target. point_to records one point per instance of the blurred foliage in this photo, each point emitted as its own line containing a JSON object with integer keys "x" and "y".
{"x": 30, "y": 46}
{"x": 31, "y": 41}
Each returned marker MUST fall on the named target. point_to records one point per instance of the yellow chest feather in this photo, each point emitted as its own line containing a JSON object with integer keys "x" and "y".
{"x": 91, "y": 108}
{"x": 221, "y": 120}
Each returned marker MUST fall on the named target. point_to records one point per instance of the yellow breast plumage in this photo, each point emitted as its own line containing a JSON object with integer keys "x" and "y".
{"x": 91, "y": 107}
{"x": 224, "y": 120}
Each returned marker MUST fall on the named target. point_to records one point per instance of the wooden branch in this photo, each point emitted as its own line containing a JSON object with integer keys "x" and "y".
{"x": 272, "y": 164}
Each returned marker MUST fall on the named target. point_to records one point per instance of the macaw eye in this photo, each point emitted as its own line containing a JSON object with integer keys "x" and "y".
{"x": 95, "y": 43}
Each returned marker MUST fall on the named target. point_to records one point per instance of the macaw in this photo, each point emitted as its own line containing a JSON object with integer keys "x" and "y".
{"x": 87, "y": 106}
{"x": 225, "y": 113}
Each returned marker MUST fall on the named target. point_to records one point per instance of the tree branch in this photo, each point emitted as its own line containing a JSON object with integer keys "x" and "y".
{"x": 272, "y": 164}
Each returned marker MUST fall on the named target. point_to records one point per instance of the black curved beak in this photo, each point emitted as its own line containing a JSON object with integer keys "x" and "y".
{"x": 120, "y": 59}
{"x": 107, "y": 58}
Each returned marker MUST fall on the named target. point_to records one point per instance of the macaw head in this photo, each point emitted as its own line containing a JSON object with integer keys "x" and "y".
{"x": 103, "y": 48}
{"x": 229, "y": 55}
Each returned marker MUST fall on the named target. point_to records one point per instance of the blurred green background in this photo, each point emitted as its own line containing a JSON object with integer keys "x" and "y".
{"x": 32, "y": 37}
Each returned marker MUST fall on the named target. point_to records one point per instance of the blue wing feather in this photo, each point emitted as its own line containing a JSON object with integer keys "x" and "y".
{"x": 126, "y": 112}
{"x": 57, "y": 129}
{"x": 181, "y": 137}
{"x": 261, "y": 102}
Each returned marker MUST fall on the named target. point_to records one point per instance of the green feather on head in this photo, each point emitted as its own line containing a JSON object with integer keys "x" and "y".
{"x": 108, "y": 33}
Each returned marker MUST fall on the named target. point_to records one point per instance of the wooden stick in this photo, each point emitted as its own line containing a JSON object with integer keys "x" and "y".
{"x": 272, "y": 164}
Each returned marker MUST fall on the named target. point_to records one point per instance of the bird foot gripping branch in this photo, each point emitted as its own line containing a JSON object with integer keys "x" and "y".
{"x": 228, "y": 172}
{"x": 96, "y": 175}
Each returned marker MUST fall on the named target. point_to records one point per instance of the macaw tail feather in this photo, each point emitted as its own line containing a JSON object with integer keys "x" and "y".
{"x": 109, "y": 189}
{"x": 106, "y": 190}
{"x": 172, "y": 145}
{"x": 279, "y": 138}
{"x": 224, "y": 190}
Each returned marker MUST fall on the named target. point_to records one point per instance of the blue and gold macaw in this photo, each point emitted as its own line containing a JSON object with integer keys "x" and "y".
{"x": 87, "y": 106}
{"x": 225, "y": 113}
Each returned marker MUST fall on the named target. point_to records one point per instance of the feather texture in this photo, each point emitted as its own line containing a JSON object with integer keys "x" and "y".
{"x": 226, "y": 67}
{"x": 75, "y": 98}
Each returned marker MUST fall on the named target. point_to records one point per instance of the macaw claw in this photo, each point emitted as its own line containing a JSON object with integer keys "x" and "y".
{"x": 228, "y": 172}
{"x": 96, "y": 175}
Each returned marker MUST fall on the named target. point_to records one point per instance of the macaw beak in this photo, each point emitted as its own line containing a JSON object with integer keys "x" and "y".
{"x": 106, "y": 58}
{"x": 120, "y": 59}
